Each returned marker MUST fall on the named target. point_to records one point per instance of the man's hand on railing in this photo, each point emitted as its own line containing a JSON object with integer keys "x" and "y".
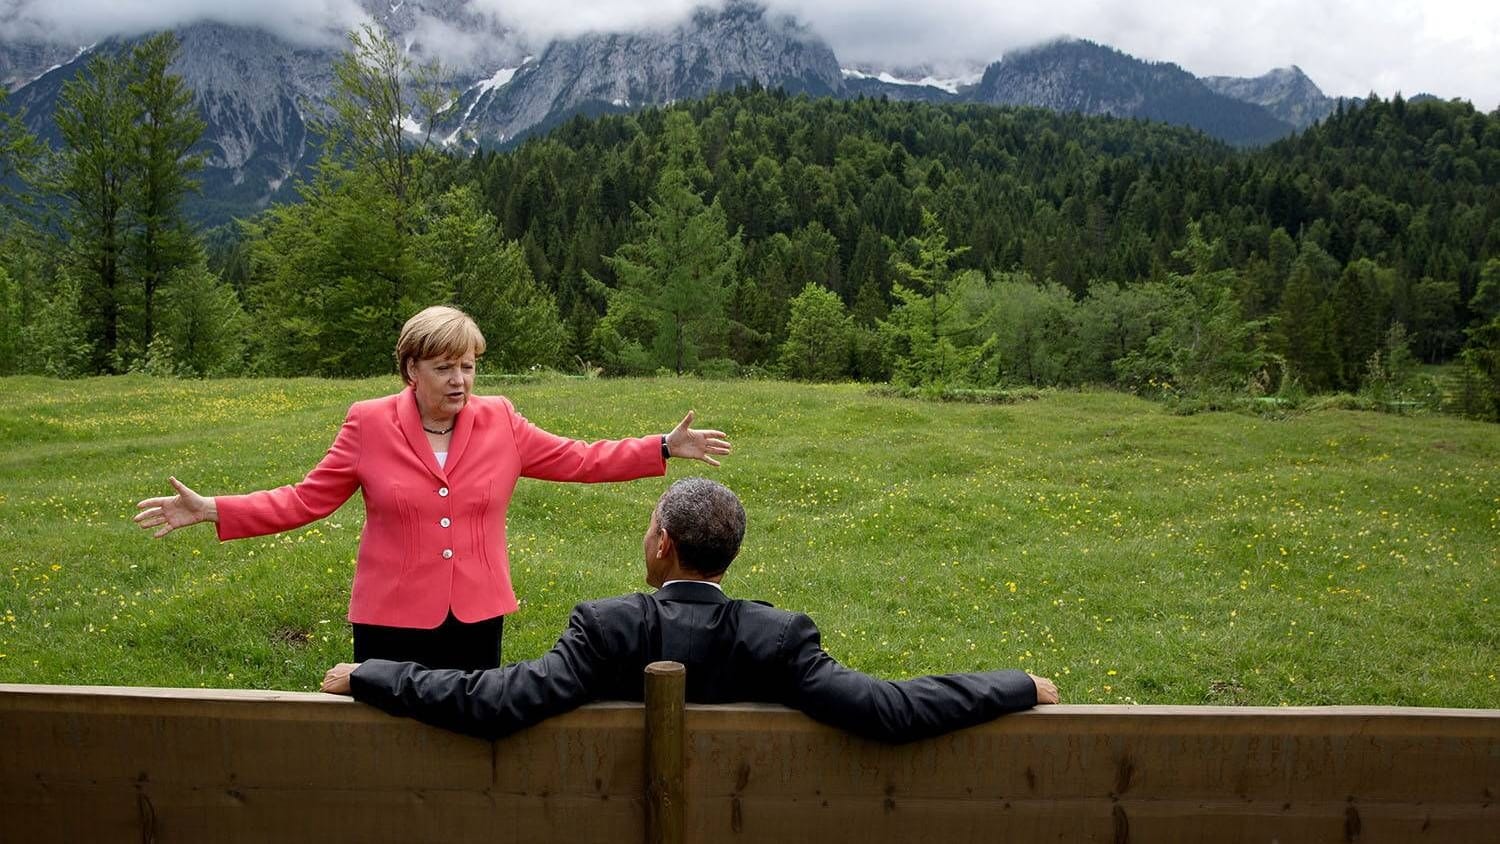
{"x": 336, "y": 681}
{"x": 1046, "y": 690}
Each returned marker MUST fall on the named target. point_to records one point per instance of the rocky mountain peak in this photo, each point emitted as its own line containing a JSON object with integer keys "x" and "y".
{"x": 1285, "y": 92}
{"x": 1082, "y": 76}
{"x": 711, "y": 51}
{"x": 23, "y": 62}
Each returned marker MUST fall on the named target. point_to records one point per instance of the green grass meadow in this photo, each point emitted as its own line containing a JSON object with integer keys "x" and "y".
{"x": 1135, "y": 556}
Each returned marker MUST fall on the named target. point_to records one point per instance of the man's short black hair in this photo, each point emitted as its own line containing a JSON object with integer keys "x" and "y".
{"x": 705, "y": 520}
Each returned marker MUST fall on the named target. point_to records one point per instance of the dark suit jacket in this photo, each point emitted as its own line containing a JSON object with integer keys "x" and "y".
{"x": 735, "y": 651}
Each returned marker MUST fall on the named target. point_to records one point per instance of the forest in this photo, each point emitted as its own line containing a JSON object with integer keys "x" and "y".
{"x": 757, "y": 234}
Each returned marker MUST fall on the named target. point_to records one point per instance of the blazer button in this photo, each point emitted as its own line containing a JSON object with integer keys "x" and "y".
{"x": 443, "y": 491}
{"x": 445, "y": 521}
{"x": 447, "y": 553}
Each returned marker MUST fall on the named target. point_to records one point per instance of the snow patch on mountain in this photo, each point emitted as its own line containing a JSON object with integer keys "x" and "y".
{"x": 81, "y": 51}
{"x": 949, "y": 84}
{"x": 499, "y": 79}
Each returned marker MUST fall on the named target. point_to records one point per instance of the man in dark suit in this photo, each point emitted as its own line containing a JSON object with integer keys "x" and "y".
{"x": 734, "y": 651}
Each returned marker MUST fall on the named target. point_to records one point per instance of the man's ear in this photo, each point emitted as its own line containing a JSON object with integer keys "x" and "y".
{"x": 665, "y": 545}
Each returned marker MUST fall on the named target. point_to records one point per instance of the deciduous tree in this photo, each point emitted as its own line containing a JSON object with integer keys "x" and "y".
{"x": 818, "y": 334}
{"x": 488, "y": 277}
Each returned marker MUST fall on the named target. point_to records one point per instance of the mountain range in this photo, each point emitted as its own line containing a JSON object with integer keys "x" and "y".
{"x": 255, "y": 90}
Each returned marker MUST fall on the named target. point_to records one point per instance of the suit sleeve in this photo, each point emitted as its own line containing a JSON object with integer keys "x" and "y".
{"x": 549, "y": 457}
{"x": 893, "y": 711}
{"x": 496, "y": 702}
{"x": 324, "y": 490}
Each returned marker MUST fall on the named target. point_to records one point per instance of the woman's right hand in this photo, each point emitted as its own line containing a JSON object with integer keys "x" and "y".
{"x": 171, "y": 512}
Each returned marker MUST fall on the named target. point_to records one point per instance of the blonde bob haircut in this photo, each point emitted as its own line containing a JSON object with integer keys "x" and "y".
{"x": 437, "y": 332}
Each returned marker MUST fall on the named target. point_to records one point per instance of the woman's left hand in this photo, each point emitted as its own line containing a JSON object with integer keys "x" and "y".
{"x": 694, "y": 444}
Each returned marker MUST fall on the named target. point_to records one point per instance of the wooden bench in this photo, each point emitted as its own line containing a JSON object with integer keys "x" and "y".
{"x": 170, "y": 765}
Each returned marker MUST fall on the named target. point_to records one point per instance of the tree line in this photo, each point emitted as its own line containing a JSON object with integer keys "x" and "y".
{"x": 752, "y": 232}
{"x": 116, "y": 267}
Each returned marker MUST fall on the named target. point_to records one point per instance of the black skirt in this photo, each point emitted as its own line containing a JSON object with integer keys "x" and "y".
{"x": 452, "y": 644}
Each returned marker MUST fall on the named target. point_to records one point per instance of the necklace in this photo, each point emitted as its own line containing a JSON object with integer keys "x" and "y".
{"x": 447, "y": 430}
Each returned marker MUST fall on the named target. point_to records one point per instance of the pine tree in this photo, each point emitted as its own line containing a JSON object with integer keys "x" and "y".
{"x": 10, "y": 324}
{"x": 921, "y": 326}
{"x": 1304, "y": 322}
{"x": 678, "y": 273}
{"x": 1485, "y": 303}
{"x": 1358, "y": 318}
{"x": 752, "y": 316}
{"x": 869, "y": 268}
{"x": 682, "y": 147}
{"x": 96, "y": 117}
{"x": 815, "y": 259}
{"x": 161, "y": 241}
{"x": 20, "y": 157}
{"x": 1435, "y": 318}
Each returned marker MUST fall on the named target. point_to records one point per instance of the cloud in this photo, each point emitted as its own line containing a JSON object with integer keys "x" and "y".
{"x": 1445, "y": 47}
{"x": 79, "y": 22}
{"x": 458, "y": 48}
{"x": 541, "y": 21}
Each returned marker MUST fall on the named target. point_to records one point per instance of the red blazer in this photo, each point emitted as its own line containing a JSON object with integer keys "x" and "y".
{"x": 434, "y": 536}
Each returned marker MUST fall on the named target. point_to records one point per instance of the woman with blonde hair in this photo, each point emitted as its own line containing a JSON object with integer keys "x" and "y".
{"x": 436, "y": 466}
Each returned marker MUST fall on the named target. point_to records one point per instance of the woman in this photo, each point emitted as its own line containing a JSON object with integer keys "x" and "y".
{"x": 436, "y": 466}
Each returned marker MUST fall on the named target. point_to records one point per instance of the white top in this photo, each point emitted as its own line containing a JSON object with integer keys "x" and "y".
{"x": 442, "y": 457}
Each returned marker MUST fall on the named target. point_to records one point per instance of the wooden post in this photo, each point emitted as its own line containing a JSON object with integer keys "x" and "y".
{"x": 666, "y": 687}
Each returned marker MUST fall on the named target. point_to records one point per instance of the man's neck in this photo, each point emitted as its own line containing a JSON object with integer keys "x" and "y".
{"x": 673, "y": 571}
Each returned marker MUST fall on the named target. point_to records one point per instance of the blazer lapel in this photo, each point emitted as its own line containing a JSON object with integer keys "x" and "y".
{"x": 463, "y": 427}
{"x": 411, "y": 427}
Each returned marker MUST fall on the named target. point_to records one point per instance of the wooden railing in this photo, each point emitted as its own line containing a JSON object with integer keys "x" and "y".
{"x": 167, "y": 765}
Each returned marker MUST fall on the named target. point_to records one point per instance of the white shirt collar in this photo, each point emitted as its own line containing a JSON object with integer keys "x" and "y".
{"x": 704, "y": 582}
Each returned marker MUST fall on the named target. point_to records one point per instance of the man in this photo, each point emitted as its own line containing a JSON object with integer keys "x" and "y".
{"x": 734, "y": 651}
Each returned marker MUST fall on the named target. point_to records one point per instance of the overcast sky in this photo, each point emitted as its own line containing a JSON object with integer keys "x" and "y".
{"x": 1446, "y": 47}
